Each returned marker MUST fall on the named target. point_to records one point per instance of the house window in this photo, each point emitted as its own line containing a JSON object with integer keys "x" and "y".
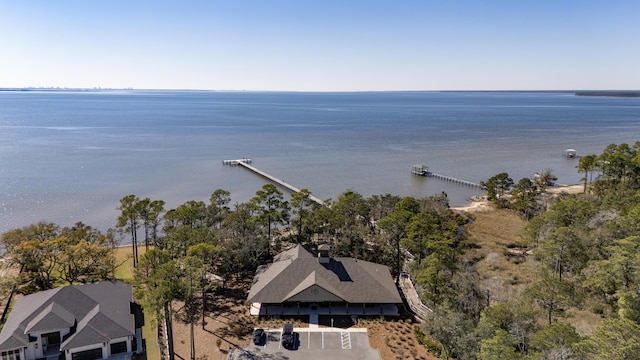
{"x": 11, "y": 355}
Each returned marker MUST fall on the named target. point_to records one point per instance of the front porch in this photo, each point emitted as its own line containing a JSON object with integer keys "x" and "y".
{"x": 293, "y": 309}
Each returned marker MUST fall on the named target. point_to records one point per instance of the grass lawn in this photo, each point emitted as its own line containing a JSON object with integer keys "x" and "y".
{"x": 124, "y": 258}
{"x": 125, "y": 272}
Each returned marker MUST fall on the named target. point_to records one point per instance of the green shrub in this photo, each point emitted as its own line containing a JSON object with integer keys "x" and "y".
{"x": 432, "y": 345}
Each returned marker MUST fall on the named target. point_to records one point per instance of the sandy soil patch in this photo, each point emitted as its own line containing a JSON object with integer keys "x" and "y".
{"x": 476, "y": 204}
{"x": 569, "y": 189}
{"x": 480, "y": 203}
{"x": 228, "y": 325}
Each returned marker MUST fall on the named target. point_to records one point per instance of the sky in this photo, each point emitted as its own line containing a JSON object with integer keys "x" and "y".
{"x": 321, "y": 45}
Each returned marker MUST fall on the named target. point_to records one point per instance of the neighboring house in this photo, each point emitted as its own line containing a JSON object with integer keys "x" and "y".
{"x": 83, "y": 322}
{"x": 299, "y": 282}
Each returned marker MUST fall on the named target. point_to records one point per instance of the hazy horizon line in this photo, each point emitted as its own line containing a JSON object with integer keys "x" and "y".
{"x": 61, "y": 88}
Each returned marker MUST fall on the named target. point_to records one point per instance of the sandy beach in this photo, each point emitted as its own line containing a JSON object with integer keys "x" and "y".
{"x": 569, "y": 189}
{"x": 480, "y": 203}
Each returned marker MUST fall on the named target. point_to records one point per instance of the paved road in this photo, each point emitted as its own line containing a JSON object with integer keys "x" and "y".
{"x": 322, "y": 343}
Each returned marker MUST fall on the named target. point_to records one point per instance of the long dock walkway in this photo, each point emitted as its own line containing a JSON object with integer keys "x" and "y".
{"x": 421, "y": 170}
{"x": 245, "y": 162}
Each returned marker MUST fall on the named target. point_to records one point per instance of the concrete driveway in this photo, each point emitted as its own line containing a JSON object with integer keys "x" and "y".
{"x": 319, "y": 343}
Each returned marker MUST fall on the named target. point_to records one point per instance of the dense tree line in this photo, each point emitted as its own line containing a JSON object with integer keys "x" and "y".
{"x": 46, "y": 253}
{"x": 199, "y": 239}
{"x": 587, "y": 247}
{"x": 249, "y": 234}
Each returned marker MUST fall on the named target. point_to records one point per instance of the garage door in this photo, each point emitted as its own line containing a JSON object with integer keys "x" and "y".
{"x": 92, "y": 354}
{"x": 117, "y": 348}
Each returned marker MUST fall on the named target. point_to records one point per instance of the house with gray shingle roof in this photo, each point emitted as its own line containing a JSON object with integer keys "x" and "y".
{"x": 300, "y": 282}
{"x": 90, "y": 321}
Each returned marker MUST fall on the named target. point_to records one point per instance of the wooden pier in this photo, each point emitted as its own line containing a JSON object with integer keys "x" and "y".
{"x": 236, "y": 162}
{"x": 422, "y": 170}
{"x": 245, "y": 162}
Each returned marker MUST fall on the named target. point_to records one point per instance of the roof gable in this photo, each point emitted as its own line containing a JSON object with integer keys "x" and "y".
{"x": 13, "y": 341}
{"x": 297, "y": 273}
{"x": 313, "y": 288}
{"x": 314, "y": 293}
{"x": 52, "y": 317}
{"x": 96, "y": 328}
{"x": 296, "y": 252}
{"x": 25, "y": 309}
{"x": 85, "y": 336}
{"x": 102, "y": 307}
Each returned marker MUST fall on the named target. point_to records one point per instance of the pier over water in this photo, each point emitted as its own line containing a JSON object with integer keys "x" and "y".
{"x": 422, "y": 170}
{"x": 245, "y": 162}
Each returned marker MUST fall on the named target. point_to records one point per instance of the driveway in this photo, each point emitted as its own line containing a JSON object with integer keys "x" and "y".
{"x": 321, "y": 343}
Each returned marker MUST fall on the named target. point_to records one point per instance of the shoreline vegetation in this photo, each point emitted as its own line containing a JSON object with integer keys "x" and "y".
{"x": 480, "y": 203}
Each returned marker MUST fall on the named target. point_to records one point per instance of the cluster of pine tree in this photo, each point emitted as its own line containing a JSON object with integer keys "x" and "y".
{"x": 587, "y": 249}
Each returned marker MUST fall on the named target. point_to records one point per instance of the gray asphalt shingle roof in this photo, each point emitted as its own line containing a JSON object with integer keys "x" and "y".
{"x": 50, "y": 318}
{"x": 96, "y": 329}
{"x": 298, "y": 275}
{"x": 101, "y": 311}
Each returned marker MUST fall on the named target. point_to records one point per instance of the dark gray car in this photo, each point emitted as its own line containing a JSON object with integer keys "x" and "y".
{"x": 288, "y": 336}
{"x": 258, "y": 336}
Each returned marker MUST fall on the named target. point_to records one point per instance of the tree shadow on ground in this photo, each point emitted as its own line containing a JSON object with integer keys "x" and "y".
{"x": 241, "y": 354}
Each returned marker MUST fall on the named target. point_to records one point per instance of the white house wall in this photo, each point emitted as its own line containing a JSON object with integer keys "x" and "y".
{"x": 35, "y": 349}
{"x": 30, "y": 352}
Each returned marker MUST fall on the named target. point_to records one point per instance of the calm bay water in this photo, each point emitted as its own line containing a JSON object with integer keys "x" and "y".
{"x": 70, "y": 156}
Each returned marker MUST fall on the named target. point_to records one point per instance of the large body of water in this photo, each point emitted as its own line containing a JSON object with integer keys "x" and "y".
{"x": 70, "y": 156}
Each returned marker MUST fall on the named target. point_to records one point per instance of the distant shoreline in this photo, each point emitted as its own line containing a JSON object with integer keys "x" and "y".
{"x": 625, "y": 93}
{"x": 595, "y": 93}
{"x": 56, "y": 89}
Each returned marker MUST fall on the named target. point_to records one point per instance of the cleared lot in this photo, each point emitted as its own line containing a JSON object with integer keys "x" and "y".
{"x": 323, "y": 343}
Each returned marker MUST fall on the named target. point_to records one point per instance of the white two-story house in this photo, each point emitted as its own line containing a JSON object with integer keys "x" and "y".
{"x": 83, "y": 322}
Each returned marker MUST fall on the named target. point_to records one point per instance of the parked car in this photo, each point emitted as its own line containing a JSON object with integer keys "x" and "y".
{"x": 258, "y": 336}
{"x": 287, "y": 336}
